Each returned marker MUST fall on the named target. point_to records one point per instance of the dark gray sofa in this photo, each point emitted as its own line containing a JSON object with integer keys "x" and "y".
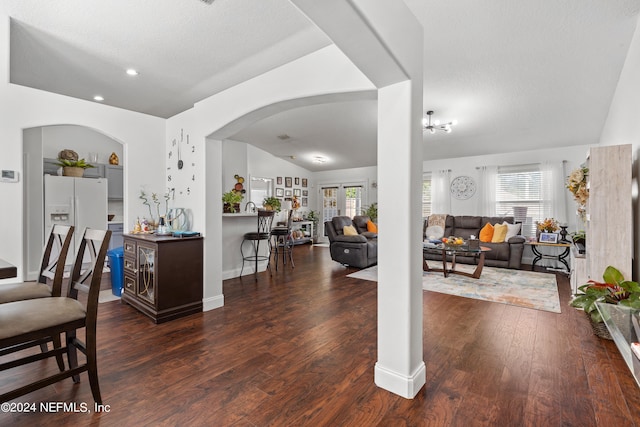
{"x": 359, "y": 251}
{"x": 507, "y": 254}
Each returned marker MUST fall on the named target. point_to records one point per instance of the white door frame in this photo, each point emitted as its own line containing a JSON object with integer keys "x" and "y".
{"x": 364, "y": 183}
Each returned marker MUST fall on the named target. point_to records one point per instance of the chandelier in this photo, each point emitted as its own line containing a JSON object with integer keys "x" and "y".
{"x": 436, "y": 125}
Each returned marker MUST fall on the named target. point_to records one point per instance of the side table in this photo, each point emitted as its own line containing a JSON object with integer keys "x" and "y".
{"x": 562, "y": 257}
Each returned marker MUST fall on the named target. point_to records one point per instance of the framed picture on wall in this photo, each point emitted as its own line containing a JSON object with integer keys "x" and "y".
{"x": 296, "y": 192}
{"x": 304, "y": 182}
{"x": 287, "y": 193}
{"x": 288, "y": 182}
{"x": 305, "y": 201}
{"x": 305, "y": 193}
{"x": 548, "y": 238}
{"x": 279, "y": 180}
{"x": 297, "y": 181}
{"x": 279, "y": 192}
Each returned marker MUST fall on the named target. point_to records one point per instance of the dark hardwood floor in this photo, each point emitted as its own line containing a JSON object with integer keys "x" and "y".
{"x": 299, "y": 347}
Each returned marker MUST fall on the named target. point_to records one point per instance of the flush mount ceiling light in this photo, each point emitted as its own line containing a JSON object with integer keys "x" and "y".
{"x": 98, "y": 98}
{"x": 436, "y": 125}
{"x": 132, "y": 72}
{"x": 319, "y": 159}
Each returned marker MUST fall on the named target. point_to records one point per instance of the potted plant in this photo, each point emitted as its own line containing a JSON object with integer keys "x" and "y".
{"x": 579, "y": 236}
{"x": 73, "y": 167}
{"x": 271, "y": 203}
{"x": 614, "y": 290}
{"x": 231, "y": 200}
{"x": 372, "y": 212}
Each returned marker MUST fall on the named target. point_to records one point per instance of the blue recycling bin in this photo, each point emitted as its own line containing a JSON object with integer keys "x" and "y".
{"x": 116, "y": 259}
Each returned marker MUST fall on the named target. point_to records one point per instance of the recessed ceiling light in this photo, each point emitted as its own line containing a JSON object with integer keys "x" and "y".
{"x": 132, "y": 72}
{"x": 98, "y": 98}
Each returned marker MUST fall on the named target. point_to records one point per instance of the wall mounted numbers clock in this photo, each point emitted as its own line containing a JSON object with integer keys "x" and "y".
{"x": 184, "y": 167}
{"x": 463, "y": 187}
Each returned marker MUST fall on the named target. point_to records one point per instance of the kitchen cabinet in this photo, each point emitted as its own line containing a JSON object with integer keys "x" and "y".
{"x": 163, "y": 276}
{"x": 113, "y": 173}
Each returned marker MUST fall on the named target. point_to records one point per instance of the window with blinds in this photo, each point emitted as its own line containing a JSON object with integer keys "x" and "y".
{"x": 426, "y": 195}
{"x": 521, "y": 186}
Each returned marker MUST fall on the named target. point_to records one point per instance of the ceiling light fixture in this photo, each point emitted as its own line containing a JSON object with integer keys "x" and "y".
{"x": 436, "y": 125}
{"x": 319, "y": 159}
{"x": 132, "y": 72}
{"x": 98, "y": 98}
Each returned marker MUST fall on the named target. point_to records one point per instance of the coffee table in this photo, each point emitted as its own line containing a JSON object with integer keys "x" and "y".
{"x": 462, "y": 251}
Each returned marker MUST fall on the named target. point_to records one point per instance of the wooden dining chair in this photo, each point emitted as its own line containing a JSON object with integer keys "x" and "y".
{"x": 54, "y": 257}
{"x": 50, "y": 277}
{"x": 27, "y": 323}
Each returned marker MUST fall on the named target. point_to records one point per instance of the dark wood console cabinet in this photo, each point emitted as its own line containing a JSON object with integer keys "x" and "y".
{"x": 163, "y": 275}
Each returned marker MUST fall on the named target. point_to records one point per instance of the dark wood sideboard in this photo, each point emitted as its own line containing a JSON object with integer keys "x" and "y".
{"x": 163, "y": 275}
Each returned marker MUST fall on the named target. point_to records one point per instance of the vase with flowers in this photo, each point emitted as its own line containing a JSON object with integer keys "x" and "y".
{"x": 549, "y": 225}
{"x": 577, "y": 185}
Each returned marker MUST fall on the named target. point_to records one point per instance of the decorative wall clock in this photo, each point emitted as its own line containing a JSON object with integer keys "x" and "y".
{"x": 185, "y": 167}
{"x": 463, "y": 187}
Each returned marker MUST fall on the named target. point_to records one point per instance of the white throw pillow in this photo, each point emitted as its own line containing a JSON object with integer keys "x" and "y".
{"x": 434, "y": 232}
{"x": 512, "y": 230}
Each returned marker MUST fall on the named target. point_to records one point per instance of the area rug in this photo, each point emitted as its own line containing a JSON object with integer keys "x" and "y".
{"x": 514, "y": 287}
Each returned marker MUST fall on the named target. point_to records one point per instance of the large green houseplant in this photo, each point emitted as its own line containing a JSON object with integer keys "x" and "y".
{"x": 614, "y": 290}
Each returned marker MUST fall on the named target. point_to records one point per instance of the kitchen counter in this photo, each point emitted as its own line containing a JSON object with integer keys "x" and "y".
{"x": 239, "y": 215}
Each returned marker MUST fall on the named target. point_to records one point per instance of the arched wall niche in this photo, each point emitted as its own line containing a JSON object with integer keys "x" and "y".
{"x": 46, "y": 141}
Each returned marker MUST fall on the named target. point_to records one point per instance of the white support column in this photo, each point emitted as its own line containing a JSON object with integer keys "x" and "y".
{"x": 400, "y": 368}
{"x": 384, "y": 40}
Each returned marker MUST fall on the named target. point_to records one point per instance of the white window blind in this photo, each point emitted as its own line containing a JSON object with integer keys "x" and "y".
{"x": 521, "y": 186}
{"x": 426, "y": 195}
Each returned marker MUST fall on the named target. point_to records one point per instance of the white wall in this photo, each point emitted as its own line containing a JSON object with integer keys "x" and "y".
{"x": 325, "y": 71}
{"x": 263, "y": 164}
{"x": 80, "y": 139}
{"x": 21, "y": 108}
{"x": 574, "y": 155}
{"x": 623, "y": 126}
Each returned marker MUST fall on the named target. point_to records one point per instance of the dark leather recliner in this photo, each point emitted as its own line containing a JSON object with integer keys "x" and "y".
{"x": 359, "y": 251}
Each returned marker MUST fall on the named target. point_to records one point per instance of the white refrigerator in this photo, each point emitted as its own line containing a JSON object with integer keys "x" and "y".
{"x": 81, "y": 202}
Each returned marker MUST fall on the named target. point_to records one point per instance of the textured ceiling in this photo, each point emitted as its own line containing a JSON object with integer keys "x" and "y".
{"x": 185, "y": 50}
{"x": 516, "y": 75}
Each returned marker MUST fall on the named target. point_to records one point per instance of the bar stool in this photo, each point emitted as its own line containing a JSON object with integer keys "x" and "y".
{"x": 283, "y": 240}
{"x": 265, "y": 219}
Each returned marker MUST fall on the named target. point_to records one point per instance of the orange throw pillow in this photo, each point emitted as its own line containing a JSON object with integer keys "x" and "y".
{"x": 371, "y": 227}
{"x": 486, "y": 233}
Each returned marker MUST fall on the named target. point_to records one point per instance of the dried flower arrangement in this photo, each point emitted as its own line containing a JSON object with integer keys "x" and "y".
{"x": 577, "y": 185}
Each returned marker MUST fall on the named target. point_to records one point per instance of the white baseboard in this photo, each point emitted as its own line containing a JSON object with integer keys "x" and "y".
{"x": 399, "y": 384}
{"x": 212, "y": 303}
